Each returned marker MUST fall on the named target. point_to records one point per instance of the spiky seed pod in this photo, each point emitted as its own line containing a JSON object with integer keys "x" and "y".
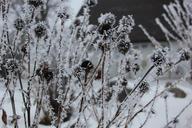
{"x": 123, "y": 46}
{"x": 126, "y": 24}
{"x": 19, "y": 24}
{"x": 144, "y": 87}
{"x": 40, "y": 30}
{"x": 35, "y": 3}
{"x": 87, "y": 65}
{"x": 106, "y": 22}
{"x": 184, "y": 55}
{"x": 158, "y": 58}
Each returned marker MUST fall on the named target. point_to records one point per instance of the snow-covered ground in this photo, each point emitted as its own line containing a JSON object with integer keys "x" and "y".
{"x": 157, "y": 120}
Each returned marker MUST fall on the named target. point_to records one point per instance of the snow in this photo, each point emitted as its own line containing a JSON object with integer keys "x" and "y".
{"x": 157, "y": 120}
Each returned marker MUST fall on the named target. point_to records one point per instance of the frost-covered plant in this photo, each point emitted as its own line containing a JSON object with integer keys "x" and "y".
{"x": 63, "y": 67}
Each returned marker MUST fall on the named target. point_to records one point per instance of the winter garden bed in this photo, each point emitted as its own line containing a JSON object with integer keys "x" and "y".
{"x": 61, "y": 71}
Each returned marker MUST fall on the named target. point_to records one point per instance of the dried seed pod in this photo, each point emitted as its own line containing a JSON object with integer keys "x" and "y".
{"x": 144, "y": 87}
{"x": 40, "y": 30}
{"x": 126, "y": 24}
{"x": 124, "y": 82}
{"x": 106, "y": 22}
{"x": 35, "y": 3}
{"x": 48, "y": 75}
{"x": 104, "y": 28}
{"x": 87, "y": 65}
{"x": 44, "y": 72}
{"x": 123, "y": 46}
{"x": 19, "y": 24}
{"x": 158, "y": 58}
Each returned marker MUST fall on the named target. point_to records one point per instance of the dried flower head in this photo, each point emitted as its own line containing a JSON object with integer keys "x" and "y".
{"x": 40, "y": 30}
{"x": 44, "y": 72}
{"x": 107, "y": 18}
{"x": 124, "y": 82}
{"x": 126, "y": 24}
{"x": 159, "y": 57}
{"x": 35, "y": 3}
{"x": 106, "y": 22}
{"x": 87, "y": 65}
{"x": 144, "y": 87}
{"x": 123, "y": 46}
{"x": 19, "y": 24}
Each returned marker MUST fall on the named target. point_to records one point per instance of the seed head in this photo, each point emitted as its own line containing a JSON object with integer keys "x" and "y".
{"x": 19, "y": 24}
{"x": 123, "y": 46}
{"x": 126, "y": 24}
{"x": 144, "y": 87}
{"x": 124, "y": 82}
{"x": 40, "y": 30}
{"x": 87, "y": 65}
{"x": 158, "y": 57}
{"x": 35, "y": 3}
